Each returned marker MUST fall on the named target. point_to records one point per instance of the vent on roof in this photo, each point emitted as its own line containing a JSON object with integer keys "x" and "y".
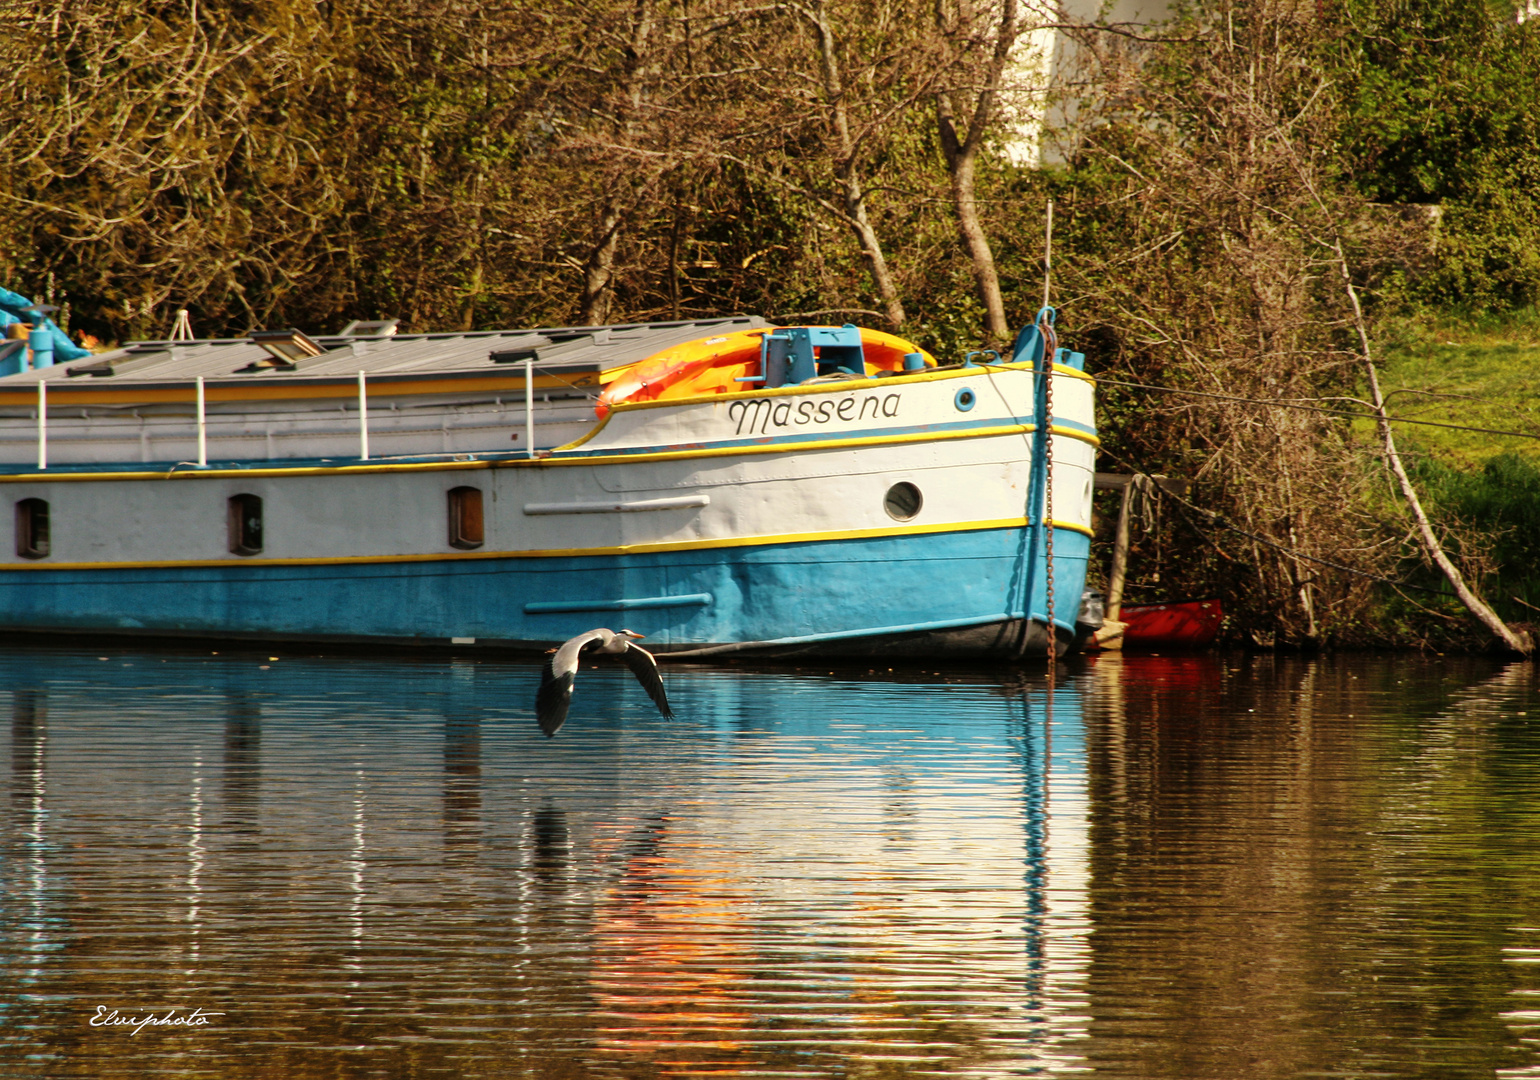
{"x": 115, "y": 362}
{"x": 549, "y": 344}
{"x": 514, "y": 356}
{"x": 370, "y": 328}
{"x": 286, "y": 348}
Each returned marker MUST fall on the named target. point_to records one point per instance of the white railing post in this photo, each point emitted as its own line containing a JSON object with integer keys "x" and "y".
{"x": 363, "y": 418}
{"x": 203, "y": 429}
{"x": 42, "y": 424}
{"x": 529, "y": 408}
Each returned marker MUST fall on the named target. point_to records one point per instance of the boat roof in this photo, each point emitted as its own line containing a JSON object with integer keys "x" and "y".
{"x": 566, "y": 350}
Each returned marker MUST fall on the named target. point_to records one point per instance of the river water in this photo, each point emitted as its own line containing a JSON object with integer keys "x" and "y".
{"x": 1225, "y": 867}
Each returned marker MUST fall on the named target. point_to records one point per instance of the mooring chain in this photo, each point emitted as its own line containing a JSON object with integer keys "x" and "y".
{"x": 1050, "y": 347}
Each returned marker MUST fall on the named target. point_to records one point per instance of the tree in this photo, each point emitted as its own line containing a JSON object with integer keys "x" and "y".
{"x": 982, "y": 38}
{"x": 1443, "y": 103}
{"x": 1206, "y": 184}
{"x": 831, "y": 102}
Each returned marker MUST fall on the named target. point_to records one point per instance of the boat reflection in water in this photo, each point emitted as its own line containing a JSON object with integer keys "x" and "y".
{"x": 1202, "y": 867}
{"x": 898, "y": 876}
{"x": 368, "y": 867}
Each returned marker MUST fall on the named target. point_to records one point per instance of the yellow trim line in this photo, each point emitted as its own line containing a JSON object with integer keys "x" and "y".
{"x": 192, "y": 472}
{"x": 840, "y": 385}
{"x": 85, "y": 390}
{"x": 621, "y": 549}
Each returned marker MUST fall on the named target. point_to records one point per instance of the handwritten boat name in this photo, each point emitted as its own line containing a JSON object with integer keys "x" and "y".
{"x": 757, "y": 416}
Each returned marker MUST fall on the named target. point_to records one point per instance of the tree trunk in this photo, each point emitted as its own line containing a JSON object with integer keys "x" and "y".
{"x": 961, "y": 163}
{"x": 962, "y": 160}
{"x": 854, "y": 198}
{"x": 1519, "y": 643}
{"x": 599, "y": 268}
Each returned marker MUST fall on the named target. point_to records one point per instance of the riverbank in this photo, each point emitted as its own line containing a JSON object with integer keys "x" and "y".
{"x": 1481, "y": 486}
{"x": 1338, "y": 547}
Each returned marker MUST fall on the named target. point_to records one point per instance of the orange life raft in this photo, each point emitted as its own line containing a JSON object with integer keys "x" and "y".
{"x": 713, "y": 366}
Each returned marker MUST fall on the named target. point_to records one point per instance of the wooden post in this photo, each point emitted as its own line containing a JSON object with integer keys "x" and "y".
{"x": 1110, "y": 636}
{"x": 1119, "y": 570}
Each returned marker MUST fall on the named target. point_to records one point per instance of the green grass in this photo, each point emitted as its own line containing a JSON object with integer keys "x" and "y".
{"x": 1482, "y": 373}
{"x": 1496, "y": 509}
{"x": 1482, "y": 489}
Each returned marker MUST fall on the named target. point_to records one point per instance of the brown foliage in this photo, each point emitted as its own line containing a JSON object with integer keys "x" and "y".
{"x": 456, "y": 163}
{"x": 254, "y": 161}
{"x": 1217, "y": 159}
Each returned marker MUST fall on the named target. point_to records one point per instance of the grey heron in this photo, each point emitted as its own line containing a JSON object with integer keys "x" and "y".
{"x": 555, "y": 693}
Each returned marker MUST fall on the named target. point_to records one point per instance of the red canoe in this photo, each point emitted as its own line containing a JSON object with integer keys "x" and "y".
{"x": 1191, "y": 624}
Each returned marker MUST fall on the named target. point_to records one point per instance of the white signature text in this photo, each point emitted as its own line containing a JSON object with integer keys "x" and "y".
{"x": 112, "y": 1018}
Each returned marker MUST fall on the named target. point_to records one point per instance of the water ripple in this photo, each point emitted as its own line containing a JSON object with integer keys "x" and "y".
{"x": 357, "y": 868}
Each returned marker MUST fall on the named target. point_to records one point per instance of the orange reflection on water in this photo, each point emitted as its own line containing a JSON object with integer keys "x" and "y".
{"x": 667, "y": 959}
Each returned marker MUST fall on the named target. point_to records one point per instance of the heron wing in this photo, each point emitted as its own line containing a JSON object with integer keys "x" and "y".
{"x": 645, "y": 668}
{"x": 553, "y": 698}
{"x": 566, "y": 658}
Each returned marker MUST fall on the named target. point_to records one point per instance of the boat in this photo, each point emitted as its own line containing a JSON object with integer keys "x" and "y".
{"x": 719, "y": 485}
{"x": 1186, "y": 624}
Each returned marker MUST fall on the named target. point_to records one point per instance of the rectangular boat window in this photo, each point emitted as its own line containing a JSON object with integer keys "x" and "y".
{"x": 245, "y": 523}
{"x": 32, "y": 528}
{"x": 465, "y": 521}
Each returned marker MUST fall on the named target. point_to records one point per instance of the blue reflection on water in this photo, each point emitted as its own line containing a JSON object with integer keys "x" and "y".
{"x": 354, "y": 859}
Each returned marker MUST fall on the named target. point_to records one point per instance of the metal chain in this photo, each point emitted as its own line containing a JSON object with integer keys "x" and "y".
{"x": 1050, "y": 347}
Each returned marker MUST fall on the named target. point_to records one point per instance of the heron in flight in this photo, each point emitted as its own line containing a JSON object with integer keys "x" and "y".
{"x": 555, "y": 695}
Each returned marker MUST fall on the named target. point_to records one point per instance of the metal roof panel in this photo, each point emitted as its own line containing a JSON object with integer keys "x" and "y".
{"x": 565, "y": 350}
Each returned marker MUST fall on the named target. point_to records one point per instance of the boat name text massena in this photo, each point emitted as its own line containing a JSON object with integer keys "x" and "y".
{"x": 718, "y": 485}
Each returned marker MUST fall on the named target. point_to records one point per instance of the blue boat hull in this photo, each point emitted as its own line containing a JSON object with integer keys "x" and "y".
{"x": 968, "y": 592}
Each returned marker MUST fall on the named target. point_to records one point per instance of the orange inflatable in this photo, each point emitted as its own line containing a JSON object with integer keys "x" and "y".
{"x": 713, "y": 365}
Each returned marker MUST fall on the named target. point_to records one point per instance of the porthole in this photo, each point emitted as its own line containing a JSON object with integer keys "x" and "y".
{"x": 244, "y": 521}
{"x": 466, "y": 528}
{"x": 32, "y": 541}
{"x": 965, "y": 399}
{"x": 902, "y": 501}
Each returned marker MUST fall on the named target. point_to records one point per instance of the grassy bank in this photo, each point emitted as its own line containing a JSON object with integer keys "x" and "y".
{"x": 1482, "y": 373}
{"x": 1483, "y": 489}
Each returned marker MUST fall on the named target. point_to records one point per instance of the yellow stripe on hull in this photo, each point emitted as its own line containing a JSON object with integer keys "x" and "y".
{"x": 844, "y": 385}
